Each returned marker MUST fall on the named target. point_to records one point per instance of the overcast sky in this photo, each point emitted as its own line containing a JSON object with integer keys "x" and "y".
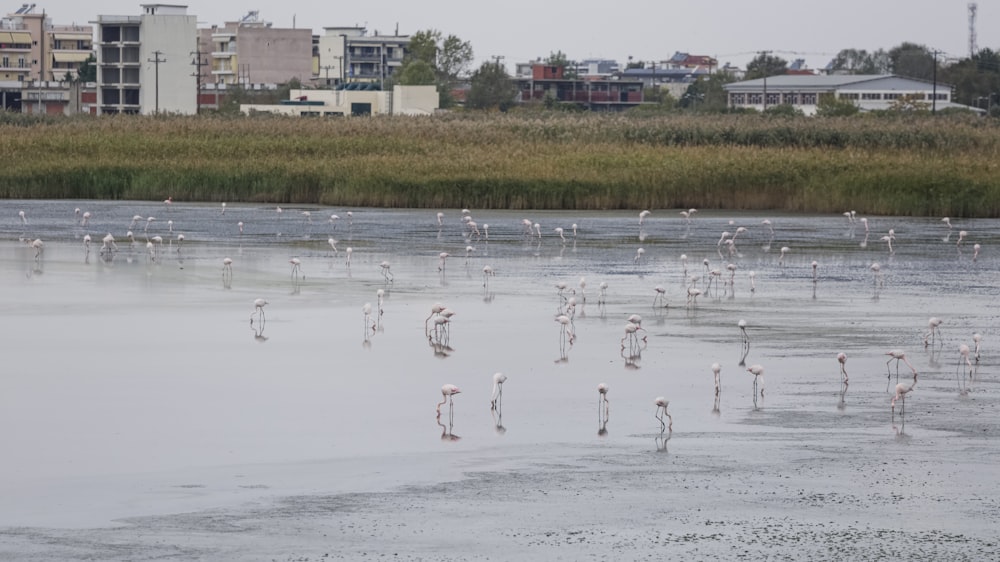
{"x": 519, "y": 30}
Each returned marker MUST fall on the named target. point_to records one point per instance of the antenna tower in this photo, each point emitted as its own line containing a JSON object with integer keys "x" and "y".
{"x": 972, "y": 29}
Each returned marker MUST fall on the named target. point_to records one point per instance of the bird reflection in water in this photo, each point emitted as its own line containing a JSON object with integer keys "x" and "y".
{"x": 603, "y": 409}
{"x": 258, "y": 332}
{"x": 662, "y": 439}
{"x": 842, "y": 402}
{"x": 632, "y": 359}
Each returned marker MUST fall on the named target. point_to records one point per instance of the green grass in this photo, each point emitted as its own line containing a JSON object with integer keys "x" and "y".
{"x": 903, "y": 166}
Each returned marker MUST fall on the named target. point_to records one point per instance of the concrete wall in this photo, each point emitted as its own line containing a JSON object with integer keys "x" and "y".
{"x": 175, "y": 36}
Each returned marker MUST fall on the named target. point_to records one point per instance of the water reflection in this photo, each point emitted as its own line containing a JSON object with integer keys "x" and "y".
{"x": 842, "y": 395}
{"x": 662, "y": 439}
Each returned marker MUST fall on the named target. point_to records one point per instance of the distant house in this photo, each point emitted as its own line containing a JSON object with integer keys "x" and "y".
{"x": 868, "y": 91}
{"x": 595, "y": 93}
{"x": 353, "y": 99}
{"x": 251, "y": 51}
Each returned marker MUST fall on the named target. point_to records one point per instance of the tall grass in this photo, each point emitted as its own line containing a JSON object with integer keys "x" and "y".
{"x": 906, "y": 166}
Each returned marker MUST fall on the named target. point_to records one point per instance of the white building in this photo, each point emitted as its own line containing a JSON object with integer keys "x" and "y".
{"x": 144, "y": 62}
{"x": 868, "y": 91}
{"x": 402, "y": 100}
{"x": 350, "y": 54}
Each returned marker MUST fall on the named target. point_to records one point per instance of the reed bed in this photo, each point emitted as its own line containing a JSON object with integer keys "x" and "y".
{"x": 901, "y": 166}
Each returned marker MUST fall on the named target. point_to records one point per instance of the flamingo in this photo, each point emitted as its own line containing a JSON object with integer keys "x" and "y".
{"x": 447, "y": 392}
{"x": 901, "y": 391}
{"x": 661, "y": 406}
{"x": 898, "y": 355}
{"x": 333, "y": 244}
{"x": 386, "y": 271}
{"x": 717, "y": 369}
{"x": 223, "y": 208}
{"x": 558, "y": 230}
{"x": 933, "y": 328}
{"x": 631, "y": 331}
{"x": 296, "y": 266}
{"x": 366, "y": 309}
{"x": 86, "y": 242}
{"x": 758, "y": 373}
{"x": 538, "y": 230}
{"x": 767, "y": 223}
{"x": 963, "y": 355}
{"x": 975, "y": 251}
{"x": 38, "y": 245}
{"x": 643, "y": 215}
{"x": 443, "y": 257}
{"x": 743, "y": 331}
{"x": 487, "y": 273}
{"x": 135, "y": 220}
{"x": 660, "y": 292}
{"x": 947, "y": 222}
{"x": 753, "y": 278}
{"x": 258, "y": 310}
{"x": 24, "y": 219}
{"x": 227, "y": 267}
{"x": 842, "y": 359}
{"x": 602, "y": 296}
{"x": 638, "y": 256}
{"x": 440, "y": 217}
{"x": 781, "y": 258}
{"x": 877, "y": 274}
{"x": 240, "y": 226}
{"x": 497, "y": 394}
{"x": 977, "y": 339}
{"x": 109, "y": 244}
{"x": 565, "y": 327}
{"x": 86, "y": 219}
{"x": 961, "y": 236}
{"x": 380, "y": 299}
{"x": 149, "y": 221}
{"x": 815, "y": 264}
{"x": 349, "y": 251}
{"x": 693, "y": 294}
{"x": 436, "y": 309}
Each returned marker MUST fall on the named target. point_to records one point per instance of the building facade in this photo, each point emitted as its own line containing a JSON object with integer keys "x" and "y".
{"x": 402, "y": 100}
{"x": 144, "y": 62}
{"x": 870, "y": 92}
{"x": 251, "y": 51}
{"x": 350, "y": 54}
{"x": 548, "y": 82}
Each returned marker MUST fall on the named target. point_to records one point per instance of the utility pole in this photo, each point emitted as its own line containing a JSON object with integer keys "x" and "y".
{"x": 934, "y": 90}
{"x": 156, "y": 60}
{"x": 198, "y": 62}
{"x": 763, "y": 59}
{"x": 327, "y": 69}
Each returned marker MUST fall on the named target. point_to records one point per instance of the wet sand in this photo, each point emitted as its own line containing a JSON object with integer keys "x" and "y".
{"x": 147, "y": 419}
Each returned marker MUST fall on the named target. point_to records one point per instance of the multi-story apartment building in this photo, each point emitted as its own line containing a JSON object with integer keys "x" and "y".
{"x": 349, "y": 54}
{"x": 70, "y": 46}
{"x": 251, "y": 51}
{"x": 144, "y": 62}
{"x": 20, "y": 48}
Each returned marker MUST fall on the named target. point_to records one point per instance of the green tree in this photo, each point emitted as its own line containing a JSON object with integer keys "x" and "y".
{"x": 559, "y": 59}
{"x": 765, "y": 64}
{"x": 447, "y": 57}
{"x": 87, "y": 71}
{"x": 491, "y": 88}
{"x": 417, "y": 73}
{"x": 912, "y": 60}
{"x": 830, "y": 105}
{"x": 860, "y": 61}
{"x": 975, "y": 79}
{"x": 706, "y": 94}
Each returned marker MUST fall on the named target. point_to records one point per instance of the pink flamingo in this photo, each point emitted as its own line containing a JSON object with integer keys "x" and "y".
{"x": 898, "y": 355}
{"x": 447, "y": 392}
{"x": 661, "y": 410}
{"x": 717, "y": 369}
{"x": 901, "y": 391}
{"x": 842, "y": 359}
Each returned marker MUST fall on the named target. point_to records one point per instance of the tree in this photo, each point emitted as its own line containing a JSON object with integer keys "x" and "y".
{"x": 860, "y": 61}
{"x": 491, "y": 87}
{"x": 975, "y": 79}
{"x": 706, "y": 94}
{"x": 417, "y": 73}
{"x": 765, "y": 64}
{"x": 559, "y": 59}
{"x": 87, "y": 71}
{"x": 447, "y": 57}
{"x": 913, "y": 61}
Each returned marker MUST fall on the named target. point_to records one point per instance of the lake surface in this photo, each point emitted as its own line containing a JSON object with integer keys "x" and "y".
{"x": 142, "y": 407}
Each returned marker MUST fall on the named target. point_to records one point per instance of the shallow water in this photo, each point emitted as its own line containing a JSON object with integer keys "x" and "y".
{"x": 138, "y": 388}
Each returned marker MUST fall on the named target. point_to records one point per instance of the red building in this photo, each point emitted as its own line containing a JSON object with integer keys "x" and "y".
{"x": 548, "y": 82}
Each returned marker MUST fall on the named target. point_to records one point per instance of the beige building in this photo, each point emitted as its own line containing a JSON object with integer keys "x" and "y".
{"x": 251, "y": 51}
{"x": 20, "y": 48}
{"x": 402, "y": 100}
{"x": 144, "y": 62}
{"x": 350, "y": 54}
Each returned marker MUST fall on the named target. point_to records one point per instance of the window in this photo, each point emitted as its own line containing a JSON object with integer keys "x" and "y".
{"x": 773, "y": 99}
{"x": 738, "y": 99}
{"x": 871, "y": 96}
{"x": 6, "y": 61}
{"x": 790, "y": 98}
{"x": 808, "y": 99}
{"x": 891, "y": 96}
{"x": 848, "y": 96}
{"x": 755, "y": 99}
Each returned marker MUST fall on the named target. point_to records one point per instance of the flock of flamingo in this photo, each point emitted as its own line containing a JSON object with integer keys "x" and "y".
{"x": 437, "y": 323}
